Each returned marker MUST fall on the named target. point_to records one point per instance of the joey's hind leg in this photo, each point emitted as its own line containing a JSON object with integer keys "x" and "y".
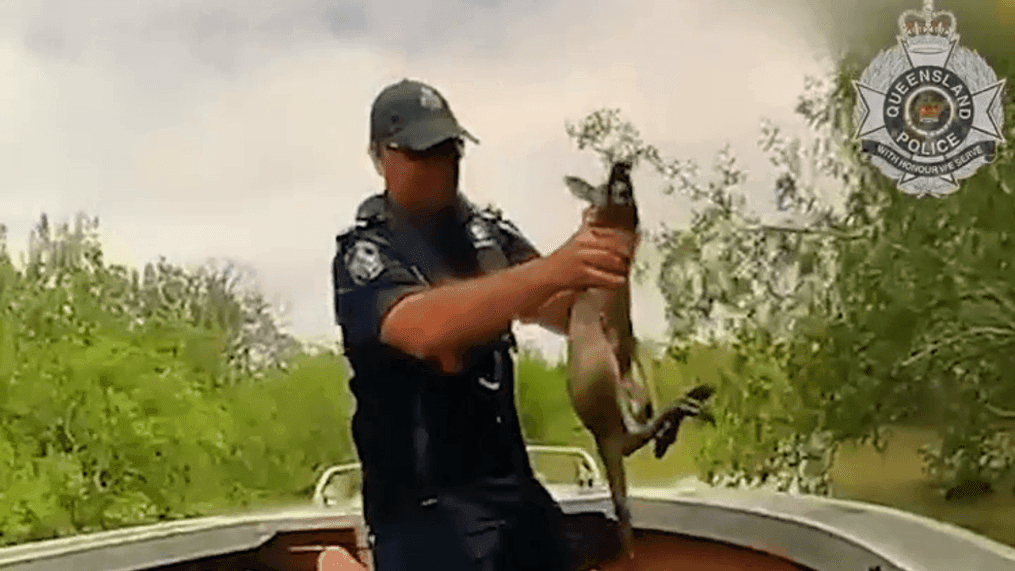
{"x": 613, "y": 459}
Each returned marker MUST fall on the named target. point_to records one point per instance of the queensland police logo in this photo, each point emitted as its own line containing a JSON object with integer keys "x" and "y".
{"x": 930, "y": 111}
{"x": 364, "y": 262}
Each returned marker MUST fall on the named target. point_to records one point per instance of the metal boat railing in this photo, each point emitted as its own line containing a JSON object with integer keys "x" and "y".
{"x": 587, "y": 476}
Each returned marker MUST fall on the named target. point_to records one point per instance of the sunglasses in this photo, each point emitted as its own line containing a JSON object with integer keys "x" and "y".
{"x": 450, "y": 148}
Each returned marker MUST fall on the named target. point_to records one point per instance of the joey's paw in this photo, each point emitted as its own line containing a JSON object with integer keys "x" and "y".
{"x": 693, "y": 403}
{"x": 666, "y": 437}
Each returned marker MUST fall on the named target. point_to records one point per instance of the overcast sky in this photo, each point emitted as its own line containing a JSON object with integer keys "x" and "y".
{"x": 237, "y": 128}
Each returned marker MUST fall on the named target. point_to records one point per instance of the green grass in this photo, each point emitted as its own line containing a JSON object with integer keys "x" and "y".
{"x": 895, "y": 479}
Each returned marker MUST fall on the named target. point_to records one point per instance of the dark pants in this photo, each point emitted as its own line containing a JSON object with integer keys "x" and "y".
{"x": 504, "y": 529}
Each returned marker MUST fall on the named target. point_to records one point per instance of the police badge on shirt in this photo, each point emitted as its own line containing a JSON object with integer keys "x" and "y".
{"x": 363, "y": 262}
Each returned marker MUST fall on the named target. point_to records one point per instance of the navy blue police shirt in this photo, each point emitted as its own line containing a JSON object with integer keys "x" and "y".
{"x": 418, "y": 430}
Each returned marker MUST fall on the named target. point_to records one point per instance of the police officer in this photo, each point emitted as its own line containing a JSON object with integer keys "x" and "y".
{"x": 427, "y": 286}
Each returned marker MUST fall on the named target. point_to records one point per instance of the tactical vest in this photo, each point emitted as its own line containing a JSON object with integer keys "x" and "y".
{"x": 419, "y": 431}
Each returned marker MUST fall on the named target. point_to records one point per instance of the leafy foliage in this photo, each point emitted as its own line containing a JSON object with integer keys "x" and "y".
{"x": 126, "y": 400}
{"x": 859, "y": 310}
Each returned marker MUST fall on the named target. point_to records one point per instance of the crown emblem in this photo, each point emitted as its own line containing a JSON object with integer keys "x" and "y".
{"x": 930, "y": 113}
{"x": 928, "y": 30}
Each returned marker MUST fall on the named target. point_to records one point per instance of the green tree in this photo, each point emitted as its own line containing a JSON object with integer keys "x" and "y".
{"x": 848, "y": 315}
{"x": 127, "y": 400}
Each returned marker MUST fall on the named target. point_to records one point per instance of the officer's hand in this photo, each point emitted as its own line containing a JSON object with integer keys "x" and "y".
{"x": 593, "y": 257}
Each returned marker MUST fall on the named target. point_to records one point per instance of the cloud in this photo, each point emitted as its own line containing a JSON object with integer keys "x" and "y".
{"x": 238, "y": 128}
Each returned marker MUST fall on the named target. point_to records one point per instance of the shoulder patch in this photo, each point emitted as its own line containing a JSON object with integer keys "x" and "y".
{"x": 480, "y": 232}
{"x": 363, "y": 261}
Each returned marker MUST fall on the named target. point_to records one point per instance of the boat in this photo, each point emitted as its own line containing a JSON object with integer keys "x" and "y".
{"x": 688, "y": 526}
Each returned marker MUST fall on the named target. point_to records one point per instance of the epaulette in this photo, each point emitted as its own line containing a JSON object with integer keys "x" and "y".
{"x": 369, "y": 214}
{"x": 343, "y": 237}
{"x": 490, "y": 212}
{"x": 371, "y": 211}
{"x": 496, "y": 216}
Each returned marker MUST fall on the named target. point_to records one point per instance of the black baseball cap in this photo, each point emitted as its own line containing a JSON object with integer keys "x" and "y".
{"x": 412, "y": 115}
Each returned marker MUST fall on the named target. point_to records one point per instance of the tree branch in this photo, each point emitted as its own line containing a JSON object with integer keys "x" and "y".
{"x": 811, "y": 231}
{"x": 1005, "y": 332}
{"x": 1005, "y": 414}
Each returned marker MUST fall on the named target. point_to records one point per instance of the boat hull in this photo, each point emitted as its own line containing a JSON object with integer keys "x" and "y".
{"x": 687, "y": 526}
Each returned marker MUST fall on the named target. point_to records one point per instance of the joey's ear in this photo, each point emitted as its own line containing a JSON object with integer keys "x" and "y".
{"x": 579, "y": 188}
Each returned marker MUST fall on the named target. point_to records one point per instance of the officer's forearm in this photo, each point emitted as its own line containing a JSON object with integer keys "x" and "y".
{"x": 442, "y": 322}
